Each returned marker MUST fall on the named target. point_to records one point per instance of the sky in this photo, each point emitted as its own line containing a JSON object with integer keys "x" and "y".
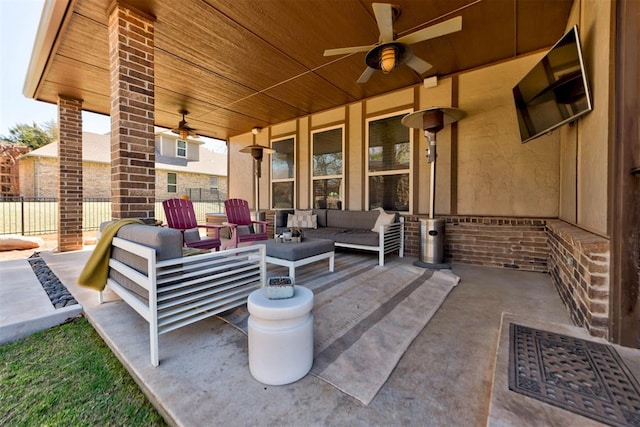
{"x": 19, "y": 20}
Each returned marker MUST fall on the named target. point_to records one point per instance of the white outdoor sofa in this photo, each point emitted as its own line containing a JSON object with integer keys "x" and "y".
{"x": 352, "y": 229}
{"x": 169, "y": 290}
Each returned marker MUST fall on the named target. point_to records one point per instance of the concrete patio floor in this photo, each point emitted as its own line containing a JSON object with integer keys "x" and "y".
{"x": 444, "y": 379}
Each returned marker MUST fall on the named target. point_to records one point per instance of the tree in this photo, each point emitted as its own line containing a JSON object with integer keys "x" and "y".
{"x": 33, "y": 136}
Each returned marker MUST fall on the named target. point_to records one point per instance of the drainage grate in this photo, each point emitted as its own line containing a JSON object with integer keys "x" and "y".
{"x": 577, "y": 375}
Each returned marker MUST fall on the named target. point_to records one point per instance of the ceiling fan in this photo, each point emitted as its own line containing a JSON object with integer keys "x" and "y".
{"x": 183, "y": 129}
{"x": 389, "y": 52}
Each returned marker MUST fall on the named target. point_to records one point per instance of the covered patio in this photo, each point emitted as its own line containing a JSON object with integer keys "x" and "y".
{"x": 446, "y": 377}
{"x": 563, "y": 209}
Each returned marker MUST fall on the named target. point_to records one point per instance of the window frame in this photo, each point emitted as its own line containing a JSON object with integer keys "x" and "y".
{"x": 314, "y": 178}
{"x": 213, "y": 178}
{"x": 178, "y": 148}
{"x": 279, "y": 180}
{"x": 369, "y": 173}
{"x": 174, "y": 184}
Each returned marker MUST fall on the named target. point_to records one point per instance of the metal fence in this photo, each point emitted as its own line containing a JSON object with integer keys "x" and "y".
{"x": 38, "y": 215}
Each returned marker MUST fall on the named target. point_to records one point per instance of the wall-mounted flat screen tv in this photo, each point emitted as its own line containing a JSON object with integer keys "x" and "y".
{"x": 555, "y": 91}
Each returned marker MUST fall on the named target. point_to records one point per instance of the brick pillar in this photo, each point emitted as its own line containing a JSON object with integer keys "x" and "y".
{"x": 70, "y": 181}
{"x": 132, "y": 113}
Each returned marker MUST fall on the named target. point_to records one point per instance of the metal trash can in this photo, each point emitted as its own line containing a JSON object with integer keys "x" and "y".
{"x": 432, "y": 240}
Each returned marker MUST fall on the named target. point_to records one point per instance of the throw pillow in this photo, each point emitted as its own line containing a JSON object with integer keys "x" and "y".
{"x": 302, "y": 221}
{"x": 383, "y": 219}
{"x": 300, "y": 212}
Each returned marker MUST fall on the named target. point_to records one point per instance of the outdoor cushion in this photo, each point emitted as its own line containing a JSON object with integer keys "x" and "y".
{"x": 363, "y": 220}
{"x": 323, "y": 232}
{"x": 282, "y": 215}
{"x": 358, "y": 237}
{"x": 14, "y": 242}
{"x": 302, "y": 221}
{"x": 295, "y": 251}
{"x": 383, "y": 219}
{"x": 166, "y": 241}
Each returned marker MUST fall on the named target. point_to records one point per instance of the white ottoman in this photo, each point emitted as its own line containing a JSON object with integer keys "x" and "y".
{"x": 280, "y": 336}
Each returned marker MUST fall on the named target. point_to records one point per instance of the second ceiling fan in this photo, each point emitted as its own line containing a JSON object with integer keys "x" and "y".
{"x": 389, "y": 52}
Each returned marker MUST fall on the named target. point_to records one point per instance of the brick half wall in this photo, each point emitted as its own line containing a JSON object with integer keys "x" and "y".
{"x": 577, "y": 261}
{"x": 579, "y": 268}
{"x": 514, "y": 243}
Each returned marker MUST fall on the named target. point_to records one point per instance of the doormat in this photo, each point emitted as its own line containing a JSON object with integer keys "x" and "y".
{"x": 584, "y": 377}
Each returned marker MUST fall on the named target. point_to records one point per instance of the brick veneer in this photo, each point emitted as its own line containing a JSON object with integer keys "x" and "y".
{"x": 516, "y": 243}
{"x": 577, "y": 261}
{"x": 131, "y": 61}
{"x": 579, "y": 267}
{"x": 70, "y": 174}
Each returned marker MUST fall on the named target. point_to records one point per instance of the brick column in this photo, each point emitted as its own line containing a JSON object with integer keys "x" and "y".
{"x": 132, "y": 112}
{"x": 70, "y": 181}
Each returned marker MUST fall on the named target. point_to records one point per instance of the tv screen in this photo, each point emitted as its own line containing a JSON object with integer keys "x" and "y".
{"x": 555, "y": 91}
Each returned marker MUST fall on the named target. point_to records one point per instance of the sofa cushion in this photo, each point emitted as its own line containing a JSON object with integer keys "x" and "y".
{"x": 323, "y": 232}
{"x": 358, "y": 237}
{"x": 383, "y": 219}
{"x": 302, "y": 221}
{"x": 322, "y": 216}
{"x": 281, "y": 216}
{"x": 296, "y": 251}
{"x": 358, "y": 220}
{"x": 166, "y": 241}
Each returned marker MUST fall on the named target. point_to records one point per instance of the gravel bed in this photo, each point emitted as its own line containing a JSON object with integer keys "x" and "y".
{"x": 58, "y": 294}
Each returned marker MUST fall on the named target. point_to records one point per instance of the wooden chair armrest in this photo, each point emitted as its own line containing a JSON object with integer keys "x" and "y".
{"x": 215, "y": 227}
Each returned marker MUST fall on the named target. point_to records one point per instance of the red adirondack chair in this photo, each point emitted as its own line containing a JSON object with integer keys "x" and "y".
{"x": 180, "y": 215}
{"x": 243, "y": 228}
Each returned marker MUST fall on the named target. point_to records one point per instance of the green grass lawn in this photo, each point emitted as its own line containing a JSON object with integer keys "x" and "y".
{"x": 67, "y": 376}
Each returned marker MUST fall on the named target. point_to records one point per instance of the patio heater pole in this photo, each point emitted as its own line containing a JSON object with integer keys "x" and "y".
{"x": 257, "y": 163}
{"x": 431, "y": 159}
{"x": 432, "y": 120}
{"x": 257, "y": 152}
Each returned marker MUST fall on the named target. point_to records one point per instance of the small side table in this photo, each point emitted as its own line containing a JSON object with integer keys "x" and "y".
{"x": 280, "y": 336}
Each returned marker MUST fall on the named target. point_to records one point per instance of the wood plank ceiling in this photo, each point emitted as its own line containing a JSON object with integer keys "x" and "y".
{"x": 244, "y": 63}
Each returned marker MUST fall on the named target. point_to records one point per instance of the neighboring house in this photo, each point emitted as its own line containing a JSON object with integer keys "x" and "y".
{"x": 182, "y": 168}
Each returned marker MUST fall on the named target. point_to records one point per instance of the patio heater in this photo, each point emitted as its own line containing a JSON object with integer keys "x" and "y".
{"x": 432, "y": 120}
{"x": 257, "y": 152}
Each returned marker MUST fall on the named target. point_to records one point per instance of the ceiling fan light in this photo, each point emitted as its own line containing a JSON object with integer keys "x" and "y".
{"x": 183, "y": 129}
{"x": 388, "y": 59}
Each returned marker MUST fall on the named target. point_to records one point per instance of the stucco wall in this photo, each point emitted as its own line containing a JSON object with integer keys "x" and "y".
{"x": 584, "y": 170}
{"x": 495, "y": 173}
{"x": 489, "y": 172}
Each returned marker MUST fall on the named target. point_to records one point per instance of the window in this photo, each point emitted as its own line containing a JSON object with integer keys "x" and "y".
{"x": 172, "y": 183}
{"x": 327, "y": 175}
{"x": 181, "y": 148}
{"x": 389, "y": 163}
{"x": 283, "y": 173}
{"x": 213, "y": 183}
